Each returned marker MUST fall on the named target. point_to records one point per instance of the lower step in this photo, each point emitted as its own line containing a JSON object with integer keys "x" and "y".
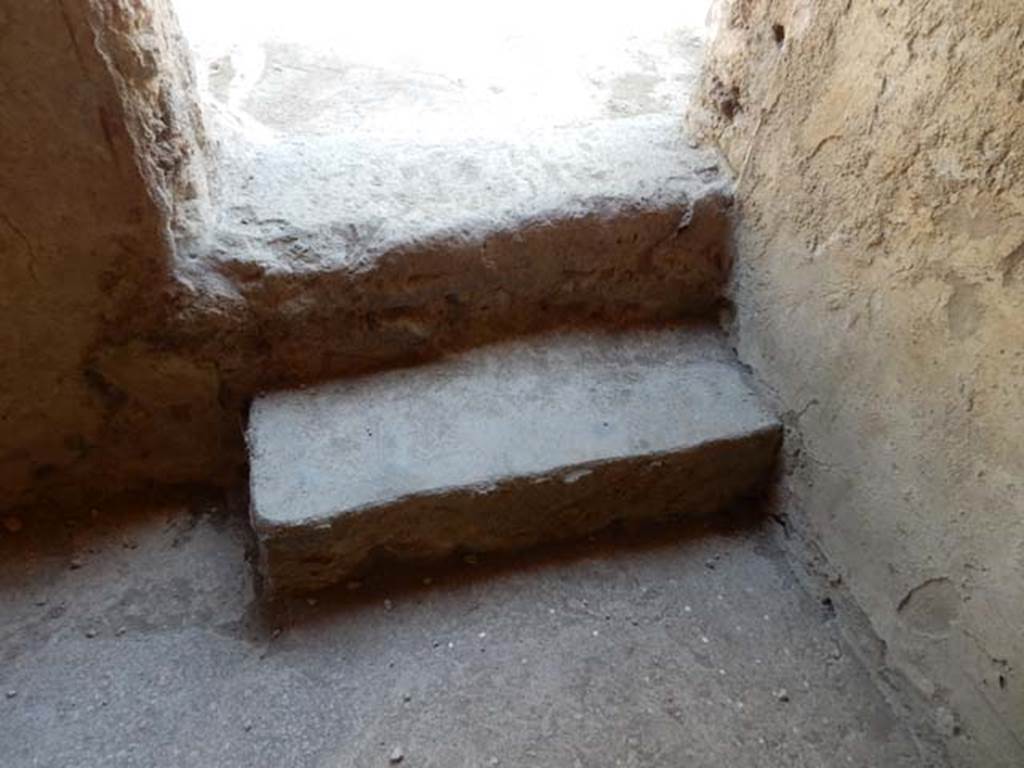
{"x": 501, "y": 448}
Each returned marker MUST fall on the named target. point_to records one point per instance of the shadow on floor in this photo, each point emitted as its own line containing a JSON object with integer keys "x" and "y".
{"x": 386, "y": 580}
{"x": 89, "y": 548}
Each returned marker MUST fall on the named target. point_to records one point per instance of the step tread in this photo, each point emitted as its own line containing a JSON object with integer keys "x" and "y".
{"x": 347, "y": 199}
{"x": 524, "y": 409}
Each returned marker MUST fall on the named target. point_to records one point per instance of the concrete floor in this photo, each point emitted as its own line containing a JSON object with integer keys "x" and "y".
{"x": 133, "y": 637}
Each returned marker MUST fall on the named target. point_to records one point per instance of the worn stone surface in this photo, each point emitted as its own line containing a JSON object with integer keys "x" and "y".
{"x": 318, "y": 305}
{"x": 881, "y": 220}
{"x": 501, "y": 448}
{"x": 627, "y": 650}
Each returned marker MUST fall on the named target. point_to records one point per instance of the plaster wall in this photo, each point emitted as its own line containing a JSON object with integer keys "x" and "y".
{"x": 100, "y": 169}
{"x": 879, "y": 292}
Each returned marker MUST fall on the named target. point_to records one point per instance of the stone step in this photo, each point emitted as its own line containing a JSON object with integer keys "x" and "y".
{"x": 501, "y": 448}
{"x": 346, "y": 254}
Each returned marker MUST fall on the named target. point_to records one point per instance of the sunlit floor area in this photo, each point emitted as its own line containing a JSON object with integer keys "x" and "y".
{"x": 357, "y": 128}
{"x": 441, "y": 69}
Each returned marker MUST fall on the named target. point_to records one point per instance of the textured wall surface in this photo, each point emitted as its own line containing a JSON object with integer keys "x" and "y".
{"x": 879, "y": 149}
{"x": 88, "y": 209}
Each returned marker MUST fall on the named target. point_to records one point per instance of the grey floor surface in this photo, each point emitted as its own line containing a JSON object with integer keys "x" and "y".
{"x": 135, "y": 637}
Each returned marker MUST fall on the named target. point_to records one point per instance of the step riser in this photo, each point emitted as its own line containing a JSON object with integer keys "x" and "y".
{"x": 522, "y": 512}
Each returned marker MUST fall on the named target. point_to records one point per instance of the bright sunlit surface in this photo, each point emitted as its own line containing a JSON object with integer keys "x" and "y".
{"x": 447, "y": 67}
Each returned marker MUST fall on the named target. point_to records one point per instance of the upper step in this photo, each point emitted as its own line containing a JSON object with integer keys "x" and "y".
{"x": 502, "y": 447}
{"x": 349, "y": 253}
{"x": 383, "y": 199}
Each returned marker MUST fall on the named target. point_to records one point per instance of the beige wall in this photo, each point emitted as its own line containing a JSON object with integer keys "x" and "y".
{"x": 880, "y": 295}
{"x": 99, "y": 169}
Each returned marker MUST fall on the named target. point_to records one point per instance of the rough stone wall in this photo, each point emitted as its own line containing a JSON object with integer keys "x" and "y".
{"x": 100, "y": 169}
{"x": 879, "y": 286}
